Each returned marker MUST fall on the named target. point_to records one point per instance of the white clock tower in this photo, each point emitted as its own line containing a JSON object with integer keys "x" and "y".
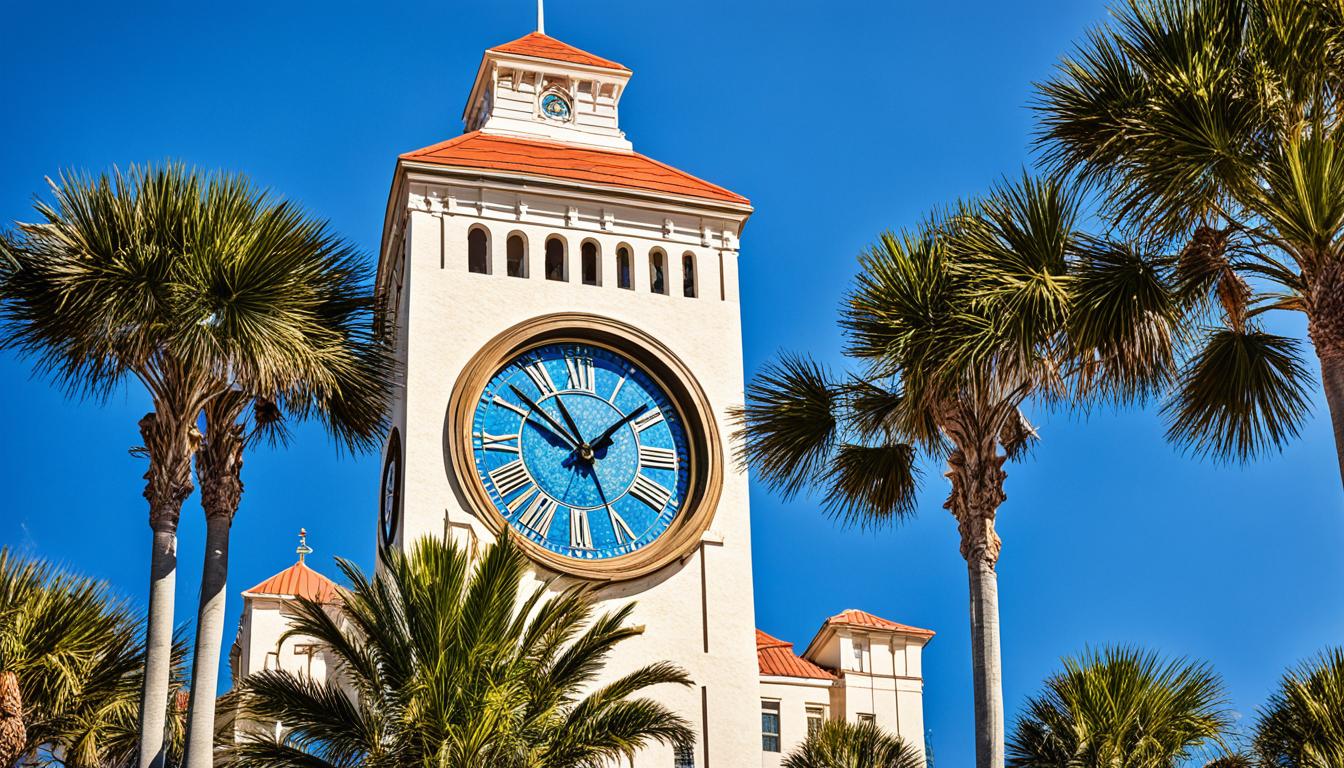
{"x": 565, "y": 311}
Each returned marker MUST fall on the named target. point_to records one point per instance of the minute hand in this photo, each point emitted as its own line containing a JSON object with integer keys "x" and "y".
{"x": 604, "y": 439}
{"x": 553, "y": 425}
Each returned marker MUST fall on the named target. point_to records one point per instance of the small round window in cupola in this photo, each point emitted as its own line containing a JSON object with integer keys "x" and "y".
{"x": 554, "y": 106}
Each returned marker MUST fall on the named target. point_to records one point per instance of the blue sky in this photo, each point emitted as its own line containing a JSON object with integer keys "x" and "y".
{"x": 837, "y": 120}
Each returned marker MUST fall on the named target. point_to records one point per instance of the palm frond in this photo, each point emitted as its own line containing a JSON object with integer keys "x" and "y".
{"x": 1302, "y": 725}
{"x": 1241, "y": 395}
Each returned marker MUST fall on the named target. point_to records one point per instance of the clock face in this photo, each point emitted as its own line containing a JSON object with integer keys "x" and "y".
{"x": 555, "y": 106}
{"x": 389, "y": 499}
{"x": 581, "y": 451}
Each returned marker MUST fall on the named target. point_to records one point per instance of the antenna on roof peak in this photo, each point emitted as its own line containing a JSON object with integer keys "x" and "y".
{"x": 541, "y": 17}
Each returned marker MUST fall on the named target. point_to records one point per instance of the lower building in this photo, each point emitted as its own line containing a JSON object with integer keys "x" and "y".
{"x": 858, "y": 667}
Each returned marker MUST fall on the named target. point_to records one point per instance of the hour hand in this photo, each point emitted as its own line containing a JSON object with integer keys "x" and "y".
{"x": 552, "y": 425}
{"x": 604, "y": 439}
{"x": 569, "y": 420}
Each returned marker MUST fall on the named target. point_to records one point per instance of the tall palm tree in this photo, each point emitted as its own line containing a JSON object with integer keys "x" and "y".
{"x": 439, "y": 662}
{"x": 280, "y": 292}
{"x": 1215, "y": 128}
{"x": 1122, "y": 708}
{"x": 94, "y": 296}
{"x": 838, "y": 744}
{"x": 1302, "y": 725}
{"x": 70, "y": 667}
{"x": 200, "y": 288}
{"x": 953, "y": 329}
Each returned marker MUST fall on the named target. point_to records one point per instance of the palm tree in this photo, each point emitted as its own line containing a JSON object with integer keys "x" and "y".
{"x": 954, "y": 328}
{"x": 287, "y": 297}
{"x": 1215, "y": 129}
{"x": 94, "y": 295}
{"x": 441, "y": 663}
{"x": 201, "y": 288}
{"x": 1122, "y": 708}
{"x": 838, "y": 744}
{"x": 1302, "y": 726}
{"x": 70, "y": 667}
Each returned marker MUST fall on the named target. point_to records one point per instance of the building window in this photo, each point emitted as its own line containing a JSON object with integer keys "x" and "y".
{"x": 859, "y": 647}
{"x": 688, "y": 275}
{"x": 591, "y": 268}
{"x": 657, "y": 270}
{"x": 866, "y": 717}
{"x": 770, "y": 726}
{"x": 555, "y": 259}
{"x": 816, "y": 715}
{"x": 478, "y": 251}
{"x": 623, "y": 277}
{"x": 517, "y": 256}
{"x": 683, "y": 756}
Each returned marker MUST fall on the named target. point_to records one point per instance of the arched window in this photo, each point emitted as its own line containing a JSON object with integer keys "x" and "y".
{"x": 623, "y": 264}
{"x": 517, "y": 256}
{"x": 555, "y": 259}
{"x": 592, "y": 274}
{"x": 657, "y": 271}
{"x": 688, "y": 275}
{"x": 478, "y": 251}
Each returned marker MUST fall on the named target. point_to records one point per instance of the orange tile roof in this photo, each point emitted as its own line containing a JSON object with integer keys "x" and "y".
{"x": 776, "y": 658}
{"x": 855, "y": 618}
{"x": 566, "y": 161}
{"x": 540, "y": 46}
{"x": 298, "y": 580}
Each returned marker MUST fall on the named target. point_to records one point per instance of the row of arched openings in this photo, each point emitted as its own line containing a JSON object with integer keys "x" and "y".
{"x": 555, "y": 266}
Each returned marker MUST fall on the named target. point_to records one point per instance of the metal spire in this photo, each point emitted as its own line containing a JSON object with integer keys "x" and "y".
{"x": 303, "y": 549}
{"x": 541, "y": 16}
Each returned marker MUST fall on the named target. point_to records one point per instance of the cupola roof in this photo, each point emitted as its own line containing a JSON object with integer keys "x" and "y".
{"x": 298, "y": 580}
{"x": 541, "y": 46}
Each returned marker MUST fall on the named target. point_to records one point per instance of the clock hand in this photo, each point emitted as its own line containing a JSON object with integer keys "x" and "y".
{"x": 604, "y": 439}
{"x": 553, "y": 426}
{"x": 574, "y": 428}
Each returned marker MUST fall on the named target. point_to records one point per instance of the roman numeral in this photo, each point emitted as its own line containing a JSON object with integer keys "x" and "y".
{"x": 580, "y": 535}
{"x": 623, "y": 533}
{"x": 580, "y": 373}
{"x": 510, "y": 477}
{"x": 657, "y": 458}
{"x": 619, "y": 383}
{"x": 502, "y": 403}
{"x": 648, "y": 419}
{"x": 538, "y": 513}
{"x": 650, "y": 493}
{"x": 491, "y": 442}
{"x": 536, "y": 371}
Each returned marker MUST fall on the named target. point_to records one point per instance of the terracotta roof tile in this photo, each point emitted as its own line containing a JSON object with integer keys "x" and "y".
{"x": 776, "y": 658}
{"x": 565, "y": 161}
{"x": 540, "y": 46}
{"x": 855, "y": 618}
{"x": 298, "y": 580}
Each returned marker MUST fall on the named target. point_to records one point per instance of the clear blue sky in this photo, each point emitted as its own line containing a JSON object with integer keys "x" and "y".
{"x": 837, "y": 120}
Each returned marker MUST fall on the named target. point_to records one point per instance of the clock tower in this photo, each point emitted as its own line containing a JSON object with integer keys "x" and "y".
{"x": 565, "y": 313}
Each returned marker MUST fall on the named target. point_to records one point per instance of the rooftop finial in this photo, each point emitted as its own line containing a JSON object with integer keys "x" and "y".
{"x": 541, "y": 16}
{"x": 303, "y": 550}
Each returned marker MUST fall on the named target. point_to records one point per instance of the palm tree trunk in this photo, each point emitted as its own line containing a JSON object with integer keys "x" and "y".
{"x": 13, "y": 733}
{"x": 168, "y": 484}
{"x": 219, "y": 466}
{"x": 986, "y": 663}
{"x": 1332, "y": 379}
{"x": 977, "y": 491}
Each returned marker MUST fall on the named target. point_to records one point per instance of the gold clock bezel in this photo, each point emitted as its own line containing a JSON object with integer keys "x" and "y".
{"x": 706, "y": 464}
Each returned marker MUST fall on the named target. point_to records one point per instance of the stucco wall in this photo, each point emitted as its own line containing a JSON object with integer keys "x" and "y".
{"x": 697, "y": 612}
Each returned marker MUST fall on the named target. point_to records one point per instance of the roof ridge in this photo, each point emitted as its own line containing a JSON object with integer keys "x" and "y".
{"x": 540, "y": 45}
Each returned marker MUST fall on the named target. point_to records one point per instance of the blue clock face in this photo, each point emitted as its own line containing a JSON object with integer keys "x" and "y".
{"x": 554, "y": 106}
{"x": 581, "y": 451}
